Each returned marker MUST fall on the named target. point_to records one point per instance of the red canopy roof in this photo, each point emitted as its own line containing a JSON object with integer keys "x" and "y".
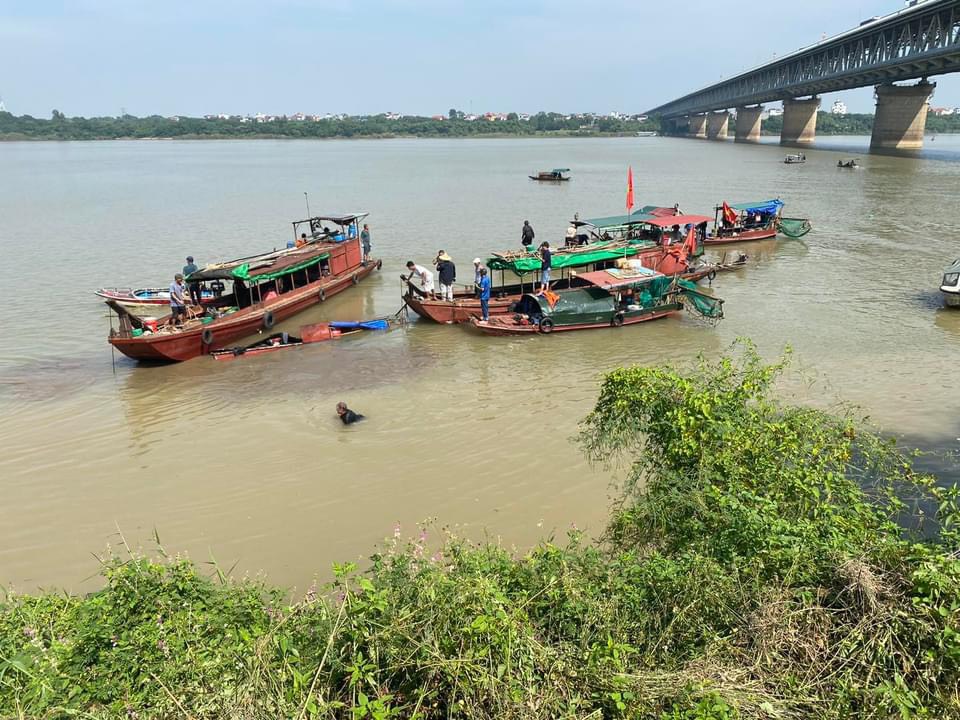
{"x": 681, "y": 220}
{"x": 606, "y": 280}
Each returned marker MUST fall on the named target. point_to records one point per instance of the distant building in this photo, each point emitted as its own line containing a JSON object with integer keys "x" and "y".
{"x": 838, "y": 108}
{"x": 438, "y": 117}
{"x": 3, "y": 108}
{"x": 945, "y": 111}
{"x": 774, "y": 112}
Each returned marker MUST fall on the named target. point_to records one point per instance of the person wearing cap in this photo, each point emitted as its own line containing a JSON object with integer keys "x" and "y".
{"x": 193, "y": 287}
{"x": 178, "y": 304}
{"x": 546, "y": 262}
{"x": 484, "y": 295}
{"x": 447, "y": 274}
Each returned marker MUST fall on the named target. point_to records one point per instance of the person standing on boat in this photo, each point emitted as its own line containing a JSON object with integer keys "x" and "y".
{"x": 365, "y": 242}
{"x": 477, "y": 266}
{"x": 178, "y": 304}
{"x": 426, "y": 278}
{"x": 447, "y": 274}
{"x": 193, "y": 287}
{"x": 527, "y": 235}
{"x": 546, "y": 262}
{"x": 484, "y": 286}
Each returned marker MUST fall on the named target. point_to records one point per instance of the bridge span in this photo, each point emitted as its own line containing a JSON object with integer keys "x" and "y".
{"x": 915, "y": 43}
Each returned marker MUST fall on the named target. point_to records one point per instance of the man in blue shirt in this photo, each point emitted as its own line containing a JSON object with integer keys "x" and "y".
{"x": 484, "y": 295}
{"x": 193, "y": 287}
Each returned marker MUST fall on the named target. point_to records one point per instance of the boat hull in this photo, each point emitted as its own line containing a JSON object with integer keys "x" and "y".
{"x": 950, "y": 299}
{"x": 507, "y": 326}
{"x": 188, "y": 344}
{"x": 745, "y": 236}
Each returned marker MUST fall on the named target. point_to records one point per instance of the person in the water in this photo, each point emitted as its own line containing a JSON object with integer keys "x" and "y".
{"x": 347, "y": 416}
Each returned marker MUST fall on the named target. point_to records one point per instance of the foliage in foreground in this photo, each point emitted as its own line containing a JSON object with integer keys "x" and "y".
{"x": 744, "y": 574}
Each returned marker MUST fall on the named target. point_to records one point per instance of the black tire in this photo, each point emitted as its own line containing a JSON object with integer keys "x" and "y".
{"x": 546, "y": 325}
{"x": 617, "y": 321}
{"x": 711, "y": 275}
{"x": 207, "y": 336}
{"x": 379, "y": 264}
{"x": 268, "y": 319}
{"x": 355, "y": 279}
{"x": 323, "y": 294}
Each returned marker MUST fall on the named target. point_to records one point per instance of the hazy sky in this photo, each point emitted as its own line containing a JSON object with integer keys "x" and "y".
{"x": 94, "y": 57}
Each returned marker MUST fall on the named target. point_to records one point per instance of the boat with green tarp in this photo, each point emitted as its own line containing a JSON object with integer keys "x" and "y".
{"x": 754, "y": 220}
{"x": 608, "y": 298}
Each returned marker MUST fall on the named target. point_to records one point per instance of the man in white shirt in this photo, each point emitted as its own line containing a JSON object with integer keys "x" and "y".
{"x": 426, "y": 278}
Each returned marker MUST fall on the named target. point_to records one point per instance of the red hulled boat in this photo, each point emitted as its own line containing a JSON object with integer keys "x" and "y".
{"x": 267, "y": 289}
{"x": 744, "y": 222}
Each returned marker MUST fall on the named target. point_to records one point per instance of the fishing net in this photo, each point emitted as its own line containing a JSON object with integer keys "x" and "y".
{"x": 707, "y": 307}
{"x": 794, "y": 227}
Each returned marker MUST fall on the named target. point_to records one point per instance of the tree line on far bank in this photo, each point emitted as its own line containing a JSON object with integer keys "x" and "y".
{"x": 60, "y": 127}
{"x": 855, "y": 124}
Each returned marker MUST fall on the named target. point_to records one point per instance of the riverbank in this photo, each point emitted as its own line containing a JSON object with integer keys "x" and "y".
{"x": 747, "y": 576}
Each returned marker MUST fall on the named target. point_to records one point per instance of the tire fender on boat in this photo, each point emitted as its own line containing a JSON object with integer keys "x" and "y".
{"x": 617, "y": 320}
{"x": 323, "y": 294}
{"x": 268, "y": 319}
{"x": 206, "y": 337}
{"x": 355, "y": 279}
{"x": 546, "y": 325}
{"x": 711, "y": 276}
{"x": 379, "y": 264}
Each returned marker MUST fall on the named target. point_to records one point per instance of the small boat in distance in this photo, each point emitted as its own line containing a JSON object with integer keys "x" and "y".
{"x": 647, "y": 133}
{"x": 555, "y": 175}
{"x": 608, "y": 299}
{"x": 794, "y": 159}
{"x": 852, "y": 163}
{"x": 950, "y": 285}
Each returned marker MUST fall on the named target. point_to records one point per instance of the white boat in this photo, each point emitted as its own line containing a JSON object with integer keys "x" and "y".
{"x": 950, "y": 285}
{"x": 647, "y": 133}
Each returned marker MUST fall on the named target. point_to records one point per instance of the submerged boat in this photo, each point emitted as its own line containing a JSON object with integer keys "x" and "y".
{"x": 950, "y": 285}
{"x": 309, "y": 334}
{"x": 745, "y": 221}
{"x": 848, "y": 163}
{"x": 151, "y": 297}
{"x": 795, "y": 159}
{"x": 267, "y": 289}
{"x": 555, "y": 175}
{"x": 655, "y": 245}
{"x": 607, "y": 299}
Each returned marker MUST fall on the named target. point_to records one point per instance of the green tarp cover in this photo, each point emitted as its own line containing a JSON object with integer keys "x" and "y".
{"x": 615, "y": 221}
{"x": 242, "y": 272}
{"x": 530, "y": 264}
{"x": 794, "y": 227}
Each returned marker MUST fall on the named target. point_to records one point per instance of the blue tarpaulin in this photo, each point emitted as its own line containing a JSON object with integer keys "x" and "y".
{"x": 762, "y": 206}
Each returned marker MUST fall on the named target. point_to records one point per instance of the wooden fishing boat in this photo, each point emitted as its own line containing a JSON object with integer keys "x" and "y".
{"x": 309, "y": 334}
{"x": 745, "y": 221}
{"x": 848, "y": 164}
{"x": 608, "y": 299}
{"x": 149, "y": 297}
{"x": 555, "y": 175}
{"x": 267, "y": 289}
{"x": 654, "y": 240}
{"x": 795, "y": 159}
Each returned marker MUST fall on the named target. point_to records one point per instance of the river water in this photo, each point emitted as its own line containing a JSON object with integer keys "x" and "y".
{"x": 245, "y": 462}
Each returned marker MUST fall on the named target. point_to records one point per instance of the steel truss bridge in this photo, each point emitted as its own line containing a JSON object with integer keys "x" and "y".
{"x": 916, "y": 42}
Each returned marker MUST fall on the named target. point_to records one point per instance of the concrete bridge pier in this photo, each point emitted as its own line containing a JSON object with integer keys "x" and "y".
{"x": 901, "y": 117}
{"x": 748, "y": 123}
{"x": 698, "y": 126}
{"x": 799, "y": 121}
{"x": 674, "y": 126}
{"x": 717, "y": 124}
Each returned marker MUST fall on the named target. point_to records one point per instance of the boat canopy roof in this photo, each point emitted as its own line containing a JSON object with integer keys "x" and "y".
{"x": 259, "y": 268}
{"x": 345, "y": 219}
{"x": 613, "y": 221}
{"x": 588, "y": 255}
{"x": 953, "y": 267}
{"x": 612, "y": 279}
{"x": 671, "y": 220}
{"x": 761, "y": 206}
{"x": 560, "y": 170}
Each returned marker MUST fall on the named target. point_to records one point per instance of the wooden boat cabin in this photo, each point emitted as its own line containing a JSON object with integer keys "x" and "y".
{"x": 264, "y": 289}
{"x": 744, "y": 221}
{"x": 555, "y": 175}
{"x": 651, "y": 225}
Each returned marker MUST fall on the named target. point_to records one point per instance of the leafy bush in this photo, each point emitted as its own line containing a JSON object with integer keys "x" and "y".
{"x": 752, "y": 568}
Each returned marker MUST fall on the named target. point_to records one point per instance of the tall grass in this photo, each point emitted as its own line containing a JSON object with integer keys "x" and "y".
{"x": 745, "y": 573}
